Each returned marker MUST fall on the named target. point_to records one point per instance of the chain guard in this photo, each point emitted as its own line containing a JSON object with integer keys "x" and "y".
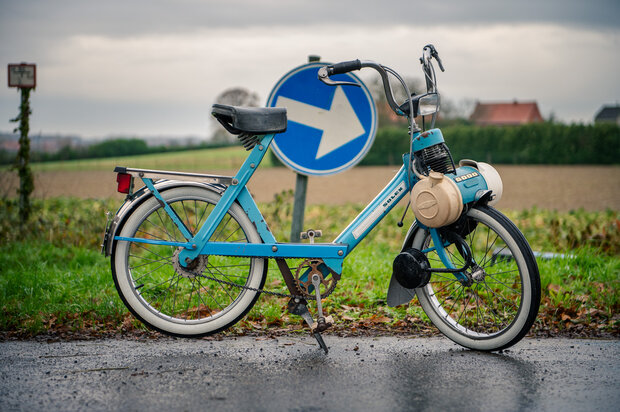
{"x": 308, "y": 268}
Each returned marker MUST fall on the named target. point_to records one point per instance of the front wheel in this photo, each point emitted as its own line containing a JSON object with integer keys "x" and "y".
{"x": 186, "y": 301}
{"x": 496, "y": 301}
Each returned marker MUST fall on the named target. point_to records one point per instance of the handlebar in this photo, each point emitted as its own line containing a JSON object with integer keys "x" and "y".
{"x": 429, "y": 52}
{"x": 348, "y": 66}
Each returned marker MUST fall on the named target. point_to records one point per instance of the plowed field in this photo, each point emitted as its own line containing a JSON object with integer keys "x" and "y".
{"x": 548, "y": 187}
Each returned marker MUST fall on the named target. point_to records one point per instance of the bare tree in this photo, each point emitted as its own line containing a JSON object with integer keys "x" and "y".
{"x": 235, "y": 96}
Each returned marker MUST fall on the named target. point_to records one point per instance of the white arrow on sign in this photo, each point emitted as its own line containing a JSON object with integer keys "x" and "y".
{"x": 340, "y": 124}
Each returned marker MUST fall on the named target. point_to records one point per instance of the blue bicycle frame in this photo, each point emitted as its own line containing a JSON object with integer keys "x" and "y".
{"x": 331, "y": 253}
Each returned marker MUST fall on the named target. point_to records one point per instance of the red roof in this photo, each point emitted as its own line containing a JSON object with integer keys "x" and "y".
{"x": 499, "y": 114}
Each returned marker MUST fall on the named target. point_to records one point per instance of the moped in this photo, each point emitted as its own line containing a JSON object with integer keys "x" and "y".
{"x": 189, "y": 251}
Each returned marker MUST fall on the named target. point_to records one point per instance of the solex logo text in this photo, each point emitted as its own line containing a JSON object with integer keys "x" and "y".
{"x": 389, "y": 199}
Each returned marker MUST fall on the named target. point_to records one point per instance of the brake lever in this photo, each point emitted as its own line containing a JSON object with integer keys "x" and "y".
{"x": 324, "y": 77}
{"x": 436, "y": 56}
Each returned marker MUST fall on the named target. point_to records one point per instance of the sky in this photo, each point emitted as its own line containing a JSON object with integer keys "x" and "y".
{"x": 151, "y": 68}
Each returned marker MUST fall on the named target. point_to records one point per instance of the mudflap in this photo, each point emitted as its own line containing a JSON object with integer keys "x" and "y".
{"x": 397, "y": 294}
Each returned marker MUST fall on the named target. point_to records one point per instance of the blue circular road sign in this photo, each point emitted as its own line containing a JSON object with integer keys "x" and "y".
{"x": 330, "y": 128}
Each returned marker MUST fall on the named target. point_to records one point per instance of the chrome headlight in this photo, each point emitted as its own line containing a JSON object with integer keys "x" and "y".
{"x": 428, "y": 104}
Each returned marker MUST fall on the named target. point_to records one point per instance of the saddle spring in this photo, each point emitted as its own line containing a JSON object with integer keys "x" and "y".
{"x": 248, "y": 140}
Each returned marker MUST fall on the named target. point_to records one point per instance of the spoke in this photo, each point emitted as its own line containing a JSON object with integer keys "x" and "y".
{"x": 177, "y": 279}
{"x": 186, "y": 217}
{"x": 235, "y": 231}
{"x": 475, "y": 292}
{"x": 142, "y": 246}
{"x": 221, "y": 285}
{"x": 217, "y": 235}
{"x": 490, "y": 309}
{"x": 189, "y": 300}
{"x": 140, "y": 230}
{"x": 444, "y": 276}
{"x": 464, "y": 309}
{"x": 169, "y": 259}
{"x": 203, "y": 215}
{"x": 200, "y": 296}
{"x": 486, "y": 253}
{"x": 455, "y": 300}
{"x": 500, "y": 282}
{"x": 243, "y": 265}
{"x": 225, "y": 275}
{"x": 212, "y": 297}
{"x": 164, "y": 226}
{"x": 449, "y": 284}
{"x": 150, "y": 261}
{"x": 148, "y": 273}
{"x": 499, "y": 296}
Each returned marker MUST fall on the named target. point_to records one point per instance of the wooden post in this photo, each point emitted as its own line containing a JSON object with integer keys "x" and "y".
{"x": 301, "y": 187}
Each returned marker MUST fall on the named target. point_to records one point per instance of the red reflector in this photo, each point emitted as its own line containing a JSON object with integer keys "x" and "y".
{"x": 124, "y": 182}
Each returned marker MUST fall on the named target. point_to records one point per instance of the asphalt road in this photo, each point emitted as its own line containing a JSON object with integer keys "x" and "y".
{"x": 292, "y": 374}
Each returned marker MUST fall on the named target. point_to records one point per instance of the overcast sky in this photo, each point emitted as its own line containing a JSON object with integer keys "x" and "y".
{"x": 154, "y": 67}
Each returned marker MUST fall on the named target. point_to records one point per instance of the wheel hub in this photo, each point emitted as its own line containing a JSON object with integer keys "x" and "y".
{"x": 192, "y": 269}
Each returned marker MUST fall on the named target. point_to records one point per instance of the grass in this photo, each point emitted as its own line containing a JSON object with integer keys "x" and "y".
{"x": 192, "y": 160}
{"x": 53, "y": 278}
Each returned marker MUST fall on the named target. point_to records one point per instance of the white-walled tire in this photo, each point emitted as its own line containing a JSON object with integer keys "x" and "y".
{"x": 163, "y": 295}
{"x": 496, "y": 310}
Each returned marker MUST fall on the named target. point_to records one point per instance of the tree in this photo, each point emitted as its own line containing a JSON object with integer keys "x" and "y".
{"x": 236, "y": 96}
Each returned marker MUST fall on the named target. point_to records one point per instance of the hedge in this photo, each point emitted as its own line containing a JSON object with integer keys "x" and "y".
{"x": 543, "y": 143}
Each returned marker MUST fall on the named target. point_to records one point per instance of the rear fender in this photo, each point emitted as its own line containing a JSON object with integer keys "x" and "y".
{"x": 139, "y": 197}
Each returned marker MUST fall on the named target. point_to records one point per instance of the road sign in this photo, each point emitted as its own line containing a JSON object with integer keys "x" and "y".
{"x": 22, "y": 75}
{"x": 330, "y": 128}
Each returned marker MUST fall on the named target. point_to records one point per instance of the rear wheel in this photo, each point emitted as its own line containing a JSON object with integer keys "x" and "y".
{"x": 497, "y": 303}
{"x": 185, "y": 301}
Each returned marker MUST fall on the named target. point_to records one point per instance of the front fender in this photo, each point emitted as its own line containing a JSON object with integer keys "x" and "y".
{"x": 131, "y": 203}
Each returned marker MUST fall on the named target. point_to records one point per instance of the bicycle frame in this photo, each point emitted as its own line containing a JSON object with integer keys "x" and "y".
{"x": 332, "y": 253}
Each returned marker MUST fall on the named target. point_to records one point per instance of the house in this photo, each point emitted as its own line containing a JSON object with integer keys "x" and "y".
{"x": 505, "y": 114}
{"x": 608, "y": 114}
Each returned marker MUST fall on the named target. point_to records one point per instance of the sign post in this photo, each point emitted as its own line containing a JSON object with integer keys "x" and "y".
{"x": 330, "y": 129}
{"x": 301, "y": 188}
{"x": 24, "y": 77}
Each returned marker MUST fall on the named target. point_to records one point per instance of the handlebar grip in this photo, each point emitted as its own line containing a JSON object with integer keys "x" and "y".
{"x": 344, "y": 67}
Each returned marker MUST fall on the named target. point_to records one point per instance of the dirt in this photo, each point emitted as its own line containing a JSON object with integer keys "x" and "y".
{"x": 561, "y": 188}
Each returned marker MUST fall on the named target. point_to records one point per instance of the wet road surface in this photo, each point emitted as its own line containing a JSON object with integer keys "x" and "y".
{"x": 292, "y": 374}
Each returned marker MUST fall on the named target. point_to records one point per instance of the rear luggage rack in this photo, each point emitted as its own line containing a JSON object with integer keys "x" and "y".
{"x": 164, "y": 174}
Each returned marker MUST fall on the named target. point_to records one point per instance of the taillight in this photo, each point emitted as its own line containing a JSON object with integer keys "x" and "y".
{"x": 124, "y": 182}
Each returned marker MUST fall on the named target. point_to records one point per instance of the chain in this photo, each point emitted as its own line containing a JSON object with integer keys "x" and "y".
{"x": 267, "y": 292}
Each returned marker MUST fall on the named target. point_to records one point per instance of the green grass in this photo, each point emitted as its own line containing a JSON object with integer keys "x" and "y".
{"x": 52, "y": 276}
{"x": 43, "y": 286}
{"x": 193, "y": 160}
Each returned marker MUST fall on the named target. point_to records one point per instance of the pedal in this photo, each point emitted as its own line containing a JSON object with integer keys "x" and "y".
{"x": 311, "y": 234}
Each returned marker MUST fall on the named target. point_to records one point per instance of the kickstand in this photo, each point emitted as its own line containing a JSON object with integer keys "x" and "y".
{"x": 298, "y": 307}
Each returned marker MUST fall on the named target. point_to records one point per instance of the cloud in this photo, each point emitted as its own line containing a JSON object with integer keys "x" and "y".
{"x": 174, "y": 58}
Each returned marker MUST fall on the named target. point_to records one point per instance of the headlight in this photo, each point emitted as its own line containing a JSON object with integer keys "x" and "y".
{"x": 428, "y": 104}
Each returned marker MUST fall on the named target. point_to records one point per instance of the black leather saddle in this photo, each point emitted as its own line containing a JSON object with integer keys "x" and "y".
{"x": 250, "y": 120}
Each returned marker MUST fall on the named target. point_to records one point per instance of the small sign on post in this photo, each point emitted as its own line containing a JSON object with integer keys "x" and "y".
{"x": 23, "y": 75}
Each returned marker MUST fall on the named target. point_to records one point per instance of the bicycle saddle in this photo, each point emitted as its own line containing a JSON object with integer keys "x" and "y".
{"x": 250, "y": 120}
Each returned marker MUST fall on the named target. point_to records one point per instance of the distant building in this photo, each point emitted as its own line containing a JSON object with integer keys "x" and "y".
{"x": 506, "y": 114}
{"x": 608, "y": 114}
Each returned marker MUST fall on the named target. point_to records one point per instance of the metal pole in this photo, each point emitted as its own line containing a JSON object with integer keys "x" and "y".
{"x": 301, "y": 187}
